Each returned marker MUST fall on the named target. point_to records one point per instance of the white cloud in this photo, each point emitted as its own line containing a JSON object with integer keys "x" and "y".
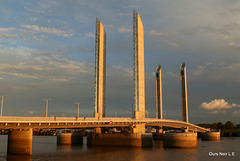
{"x": 131, "y": 6}
{"x": 217, "y": 106}
{"x": 171, "y": 75}
{"x": 125, "y": 14}
{"x": 84, "y": 50}
{"x": 34, "y": 10}
{"x": 109, "y": 26}
{"x": 39, "y": 65}
{"x": 124, "y": 30}
{"x": 156, "y": 33}
{"x": 90, "y": 35}
{"x": 51, "y": 31}
{"x": 30, "y": 112}
{"x": 216, "y": 112}
{"x": 197, "y": 72}
{"x": 33, "y": 19}
{"x": 9, "y": 36}
{"x": 7, "y": 29}
{"x": 121, "y": 71}
{"x": 236, "y": 113}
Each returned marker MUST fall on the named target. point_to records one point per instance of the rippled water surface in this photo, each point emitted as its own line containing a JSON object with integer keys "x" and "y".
{"x": 45, "y": 148}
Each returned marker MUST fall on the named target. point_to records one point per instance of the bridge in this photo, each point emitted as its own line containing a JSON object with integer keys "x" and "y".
{"x": 20, "y": 128}
{"x": 90, "y": 122}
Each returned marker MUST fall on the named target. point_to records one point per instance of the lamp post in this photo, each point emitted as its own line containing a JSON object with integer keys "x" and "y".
{"x": 78, "y": 107}
{"x": 2, "y": 103}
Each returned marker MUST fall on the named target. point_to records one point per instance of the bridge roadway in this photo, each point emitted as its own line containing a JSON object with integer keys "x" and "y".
{"x": 7, "y": 122}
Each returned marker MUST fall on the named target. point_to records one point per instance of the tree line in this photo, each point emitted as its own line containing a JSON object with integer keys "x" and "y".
{"x": 219, "y": 125}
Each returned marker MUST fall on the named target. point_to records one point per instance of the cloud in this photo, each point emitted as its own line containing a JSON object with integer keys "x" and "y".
{"x": 171, "y": 75}
{"x": 217, "y": 112}
{"x": 90, "y": 35}
{"x": 215, "y": 72}
{"x": 217, "y": 106}
{"x": 233, "y": 45}
{"x": 197, "y": 72}
{"x": 60, "y": 21}
{"x": 50, "y": 31}
{"x": 84, "y": 50}
{"x": 122, "y": 71}
{"x": 32, "y": 64}
{"x": 156, "y": 33}
{"x": 131, "y": 6}
{"x": 34, "y": 10}
{"x": 109, "y": 26}
{"x": 236, "y": 113}
{"x": 124, "y": 30}
{"x": 30, "y": 112}
{"x": 9, "y": 36}
{"x": 7, "y": 29}
{"x": 125, "y": 14}
{"x": 33, "y": 19}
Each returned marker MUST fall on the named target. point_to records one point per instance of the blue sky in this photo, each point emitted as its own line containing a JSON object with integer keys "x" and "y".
{"x": 47, "y": 51}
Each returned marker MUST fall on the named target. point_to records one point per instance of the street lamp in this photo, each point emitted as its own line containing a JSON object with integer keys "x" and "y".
{"x": 78, "y": 106}
{"x": 46, "y": 100}
{"x": 2, "y": 103}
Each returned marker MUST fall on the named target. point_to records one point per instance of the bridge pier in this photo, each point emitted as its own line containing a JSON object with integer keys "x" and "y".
{"x": 69, "y": 139}
{"x": 20, "y": 142}
{"x": 159, "y": 134}
{"x": 120, "y": 139}
{"x": 180, "y": 140}
{"x": 211, "y": 136}
{"x": 137, "y": 138}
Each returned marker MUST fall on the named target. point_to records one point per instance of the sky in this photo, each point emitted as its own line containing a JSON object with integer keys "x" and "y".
{"x": 47, "y": 51}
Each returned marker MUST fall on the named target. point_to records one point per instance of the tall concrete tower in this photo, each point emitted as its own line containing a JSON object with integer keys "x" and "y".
{"x": 100, "y": 70}
{"x": 158, "y": 92}
{"x": 138, "y": 66}
{"x": 183, "y": 78}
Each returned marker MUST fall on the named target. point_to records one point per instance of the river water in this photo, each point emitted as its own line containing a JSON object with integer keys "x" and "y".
{"x": 45, "y": 149}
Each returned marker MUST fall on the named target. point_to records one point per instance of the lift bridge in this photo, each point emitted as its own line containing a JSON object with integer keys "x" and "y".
{"x": 90, "y": 122}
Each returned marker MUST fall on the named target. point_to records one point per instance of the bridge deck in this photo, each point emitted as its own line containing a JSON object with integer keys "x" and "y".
{"x": 86, "y": 122}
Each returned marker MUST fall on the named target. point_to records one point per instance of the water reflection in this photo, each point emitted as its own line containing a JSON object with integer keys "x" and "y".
{"x": 19, "y": 158}
{"x": 45, "y": 148}
{"x": 65, "y": 147}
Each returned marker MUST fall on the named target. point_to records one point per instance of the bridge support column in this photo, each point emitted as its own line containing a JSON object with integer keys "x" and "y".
{"x": 211, "y": 136}
{"x": 97, "y": 130}
{"x": 121, "y": 139}
{"x": 20, "y": 142}
{"x": 69, "y": 139}
{"x": 180, "y": 140}
{"x": 137, "y": 138}
{"x": 159, "y": 134}
{"x": 138, "y": 129}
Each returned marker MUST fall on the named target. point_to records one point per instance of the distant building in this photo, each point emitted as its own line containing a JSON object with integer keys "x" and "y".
{"x": 100, "y": 70}
{"x": 138, "y": 66}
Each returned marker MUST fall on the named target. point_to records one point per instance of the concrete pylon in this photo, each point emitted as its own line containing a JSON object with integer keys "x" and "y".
{"x": 158, "y": 92}
{"x": 100, "y": 70}
{"x": 183, "y": 78}
{"x": 138, "y": 67}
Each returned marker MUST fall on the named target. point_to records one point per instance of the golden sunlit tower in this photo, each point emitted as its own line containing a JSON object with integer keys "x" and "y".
{"x": 158, "y": 92}
{"x": 100, "y": 70}
{"x": 183, "y": 78}
{"x": 138, "y": 66}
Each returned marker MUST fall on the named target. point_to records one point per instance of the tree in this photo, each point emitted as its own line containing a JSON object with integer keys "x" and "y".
{"x": 214, "y": 126}
{"x": 219, "y": 125}
{"x": 229, "y": 125}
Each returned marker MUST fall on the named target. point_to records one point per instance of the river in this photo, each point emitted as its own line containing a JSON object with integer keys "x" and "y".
{"x": 45, "y": 149}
